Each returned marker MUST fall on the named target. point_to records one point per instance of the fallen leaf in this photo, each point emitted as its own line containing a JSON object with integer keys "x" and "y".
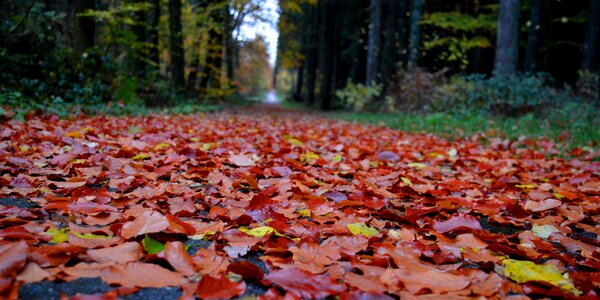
{"x": 523, "y": 271}
{"x": 143, "y": 275}
{"x": 148, "y": 221}
{"x": 119, "y": 254}
{"x": 241, "y": 160}
{"x": 304, "y": 284}
{"x": 537, "y": 206}
{"x": 457, "y": 222}
{"x": 362, "y": 228}
{"x": 219, "y": 287}
{"x": 178, "y": 258}
{"x": 543, "y": 231}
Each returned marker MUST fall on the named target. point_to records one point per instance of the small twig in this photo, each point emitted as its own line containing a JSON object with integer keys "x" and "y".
{"x": 22, "y": 19}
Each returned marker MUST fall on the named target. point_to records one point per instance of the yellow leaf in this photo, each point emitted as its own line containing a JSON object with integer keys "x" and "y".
{"x": 141, "y": 156}
{"x": 417, "y": 165}
{"x": 406, "y": 181}
{"x": 79, "y": 161}
{"x": 311, "y": 155}
{"x": 558, "y": 196}
{"x": 74, "y": 134}
{"x": 90, "y": 235}
{"x": 203, "y": 236}
{"x": 362, "y": 228}
{"x": 543, "y": 231}
{"x": 295, "y": 142}
{"x": 258, "y": 231}
{"x": 206, "y": 147}
{"x": 525, "y": 186}
{"x": 195, "y": 139}
{"x": 24, "y": 148}
{"x": 304, "y": 212}
{"x": 523, "y": 271}
{"x": 337, "y": 158}
{"x": 162, "y": 146}
{"x": 58, "y": 235}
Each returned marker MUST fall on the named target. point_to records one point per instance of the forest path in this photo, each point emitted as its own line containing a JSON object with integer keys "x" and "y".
{"x": 288, "y": 197}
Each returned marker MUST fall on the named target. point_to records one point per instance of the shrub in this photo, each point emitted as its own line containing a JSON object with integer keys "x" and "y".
{"x": 358, "y": 96}
{"x": 501, "y": 95}
{"x": 410, "y": 91}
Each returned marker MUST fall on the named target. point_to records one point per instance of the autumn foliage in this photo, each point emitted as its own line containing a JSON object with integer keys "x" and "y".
{"x": 278, "y": 204}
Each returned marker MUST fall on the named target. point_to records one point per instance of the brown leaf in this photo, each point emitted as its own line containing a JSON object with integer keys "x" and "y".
{"x": 457, "y": 222}
{"x": 144, "y": 275}
{"x": 304, "y": 284}
{"x": 148, "y": 221}
{"x": 219, "y": 287}
{"x": 178, "y": 258}
{"x": 12, "y": 257}
{"x": 241, "y": 160}
{"x": 120, "y": 254}
{"x": 537, "y": 206}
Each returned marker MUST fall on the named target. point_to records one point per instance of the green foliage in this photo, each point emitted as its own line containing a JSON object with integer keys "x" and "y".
{"x": 504, "y": 95}
{"x": 579, "y": 122}
{"x": 454, "y": 34}
{"x": 358, "y": 96}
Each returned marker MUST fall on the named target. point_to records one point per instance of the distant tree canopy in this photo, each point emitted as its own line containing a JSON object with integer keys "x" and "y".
{"x": 327, "y": 43}
{"x": 77, "y": 49}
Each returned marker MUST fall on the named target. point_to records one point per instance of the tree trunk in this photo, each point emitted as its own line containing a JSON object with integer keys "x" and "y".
{"x": 139, "y": 30}
{"x": 176, "y": 43}
{"x": 86, "y": 26}
{"x": 229, "y": 46}
{"x": 327, "y": 55}
{"x": 153, "y": 54}
{"x": 590, "y": 48}
{"x": 374, "y": 45}
{"x": 311, "y": 58}
{"x": 533, "y": 36}
{"x": 297, "y": 96}
{"x": 507, "y": 39}
{"x": 415, "y": 34}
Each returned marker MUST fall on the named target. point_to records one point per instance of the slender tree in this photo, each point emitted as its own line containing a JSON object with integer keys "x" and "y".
{"x": 415, "y": 34}
{"x": 374, "y": 45}
{"x": 139, "y": 30}
{"x": 311, "y": 56}
{"x": 507, "y": 39}
{"x": 533, "y": 35}
{"x": 86, "y": 26}
{"x": 176, "y": 43}
{"x": 590, "y": 47}
{"x": 153, "y": 54}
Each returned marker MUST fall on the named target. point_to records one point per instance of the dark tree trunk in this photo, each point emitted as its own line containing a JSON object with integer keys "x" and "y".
{"x": 139, "y": 30}
{"x": 311, "y": 58}
{"x": 215, "y": 53}
{"x": 507, "y": 39}
{"x": 590, "y": 46}
{"x": 297, "y": 96}
{"x": 394, "y": 33}
{"x": 229, "y": 46}
{"x": 326, "y": 57}
{"x": 374, "y": 45}
{"x": 176, "y": 43}
{"x": 533, "y": 36}
{"x": 153, "y": 54}
{"x": 86, "y": 26}
{"x": 415, "y": 35}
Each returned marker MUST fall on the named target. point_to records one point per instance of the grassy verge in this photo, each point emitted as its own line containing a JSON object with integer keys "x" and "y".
{"x": 580, "y": 134}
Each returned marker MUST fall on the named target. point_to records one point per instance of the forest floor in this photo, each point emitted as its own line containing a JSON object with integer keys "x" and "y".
{"x": 267, "y": 201}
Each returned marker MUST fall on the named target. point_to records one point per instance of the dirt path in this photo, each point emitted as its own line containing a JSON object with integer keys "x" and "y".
{"x": 289, "y": 202}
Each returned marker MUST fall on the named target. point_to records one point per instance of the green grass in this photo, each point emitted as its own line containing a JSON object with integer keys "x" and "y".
{"x": 583, "y": 134}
